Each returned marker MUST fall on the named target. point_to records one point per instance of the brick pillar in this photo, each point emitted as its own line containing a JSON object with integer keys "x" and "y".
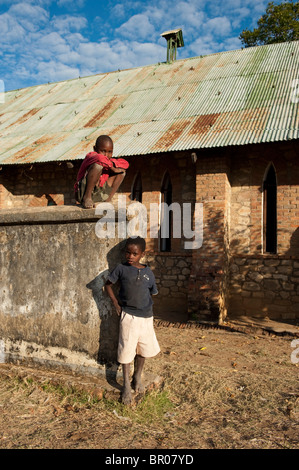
{"x": 208, "y": 279}
{"x": 3, "y": 197}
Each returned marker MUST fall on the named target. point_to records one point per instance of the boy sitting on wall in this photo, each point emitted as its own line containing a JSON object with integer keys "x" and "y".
{"x": 100, "y": 175}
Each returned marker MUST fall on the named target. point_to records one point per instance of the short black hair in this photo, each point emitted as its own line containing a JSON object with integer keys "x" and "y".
{"x": 103, "y": 138}
{"x": 136, "y": 241}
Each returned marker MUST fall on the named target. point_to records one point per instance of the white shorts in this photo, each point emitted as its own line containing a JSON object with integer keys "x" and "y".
{"x": 136, "y": 336}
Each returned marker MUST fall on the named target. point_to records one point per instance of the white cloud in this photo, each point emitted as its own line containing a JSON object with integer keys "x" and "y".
{"x": 10, "y": 30}
{"x": 219, "y": 26}
{"x": 187, "y": 13}
{"x": 29, "y": 16}
{"x": 71, "y": 3}
{"x": 147, "y": 53}
{"x": 204, "y": 45}
{"x": 38, "y": 45}
{"x": 65, "y": 23}
{"x": 137, "y": 27}
{"x": 119, "y": 10}
{"x": 239, "y": 15}
{"x": 103, "y": 56}
{"x": 53, "y": 71}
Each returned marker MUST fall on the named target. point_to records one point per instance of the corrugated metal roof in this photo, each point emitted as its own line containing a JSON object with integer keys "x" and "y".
{"x": 230, "y": 98}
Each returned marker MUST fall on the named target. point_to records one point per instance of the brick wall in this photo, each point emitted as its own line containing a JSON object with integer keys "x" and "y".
{"x": 209, "y": 275}
{"x": 37, "y": 185}
{"x": 263, "y": 284}
{"x": 171, "y": 269}
{"x": 152, "y": 170}
{"x": 248, "y": 170}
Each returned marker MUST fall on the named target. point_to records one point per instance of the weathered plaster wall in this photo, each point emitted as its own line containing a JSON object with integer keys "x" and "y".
{"x": 52, "y": 305}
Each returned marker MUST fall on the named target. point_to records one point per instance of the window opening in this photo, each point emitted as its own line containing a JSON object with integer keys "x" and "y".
{"x": 166, "y": 218}
{"x": 270, "y": 211}
{"x": 137, "y": 188}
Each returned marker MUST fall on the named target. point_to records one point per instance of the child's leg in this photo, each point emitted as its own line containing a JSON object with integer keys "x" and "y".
{"x": 114, "y": 182}
{"x": 138, "y": 367}
{"x": 126, "y": 397}
{"x": 92, "y": 179}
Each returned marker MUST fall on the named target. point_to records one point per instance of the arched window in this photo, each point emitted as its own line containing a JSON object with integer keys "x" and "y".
{"x": 270, "y": 211}
{"x": 137, "y": 188}
{"x": 166, "y": 216}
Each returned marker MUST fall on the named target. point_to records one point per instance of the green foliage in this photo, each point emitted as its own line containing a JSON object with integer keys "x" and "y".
{"x": 279, "y": 24}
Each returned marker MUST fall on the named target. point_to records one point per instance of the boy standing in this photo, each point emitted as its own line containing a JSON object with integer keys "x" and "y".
{"x": 137, "y": 339}
{"x": 100, "y": 175}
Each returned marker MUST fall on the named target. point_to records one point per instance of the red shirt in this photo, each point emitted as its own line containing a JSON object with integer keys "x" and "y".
{"x": 105, "y": 162}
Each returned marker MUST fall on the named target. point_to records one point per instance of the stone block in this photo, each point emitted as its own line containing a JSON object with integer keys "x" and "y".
{"x": 272, "y": 262}
{"x": 251, "y": 286}
{"x": 271, "y": 284}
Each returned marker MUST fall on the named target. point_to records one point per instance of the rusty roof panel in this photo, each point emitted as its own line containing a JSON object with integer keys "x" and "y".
{"x": 230, "y": 98}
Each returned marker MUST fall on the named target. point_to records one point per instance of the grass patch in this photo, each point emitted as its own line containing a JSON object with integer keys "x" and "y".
{"x": 153, "y": 407}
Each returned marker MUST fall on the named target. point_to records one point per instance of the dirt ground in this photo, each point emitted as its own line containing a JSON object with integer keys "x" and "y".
{"x": 221, "y": 388}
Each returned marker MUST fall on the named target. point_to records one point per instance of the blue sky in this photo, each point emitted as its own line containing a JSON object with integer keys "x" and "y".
{"x": 45, "y": 41}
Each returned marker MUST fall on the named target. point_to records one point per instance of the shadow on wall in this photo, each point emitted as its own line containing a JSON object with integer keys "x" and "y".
{"x": 294, "y": 243}
{"x": 109, "y": 326}
{"x": 39, "y": 184}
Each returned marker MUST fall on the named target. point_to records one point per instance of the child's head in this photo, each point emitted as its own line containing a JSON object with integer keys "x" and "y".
{"x": 104, "y": 145}
{"x": 134, "y": 250}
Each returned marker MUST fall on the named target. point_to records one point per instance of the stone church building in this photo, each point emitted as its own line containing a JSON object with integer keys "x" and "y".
{"x": 219, "y": 130}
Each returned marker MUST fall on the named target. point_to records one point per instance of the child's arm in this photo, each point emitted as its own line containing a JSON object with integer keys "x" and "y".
{"x": 116, "y": 171}
{"x": 109, "y": 290}
{"x": 120, "y": 163}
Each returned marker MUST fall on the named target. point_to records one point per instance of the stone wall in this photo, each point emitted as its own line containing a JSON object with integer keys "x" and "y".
{"x": 264, "y": 287}
{"x": 172, "y": 272}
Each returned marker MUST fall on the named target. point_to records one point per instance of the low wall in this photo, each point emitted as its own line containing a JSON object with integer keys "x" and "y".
{"x": 53, "y": 309}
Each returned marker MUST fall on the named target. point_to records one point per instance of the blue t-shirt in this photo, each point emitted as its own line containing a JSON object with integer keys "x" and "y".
{"x": 137, "y": 285}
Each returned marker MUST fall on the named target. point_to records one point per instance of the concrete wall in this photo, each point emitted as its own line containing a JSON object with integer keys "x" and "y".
{"x": 52, "y": 306}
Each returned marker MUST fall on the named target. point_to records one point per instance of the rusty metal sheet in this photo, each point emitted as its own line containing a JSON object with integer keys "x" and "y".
{"x": 171, "y": 135}
{"x": 230, "y": 98}
{"x": 32, "y": 152}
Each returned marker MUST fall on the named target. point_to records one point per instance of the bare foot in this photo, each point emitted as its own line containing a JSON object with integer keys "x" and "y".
{"x": 87, "y": 203}
{"x": 138, "y": 385}
{"x": 126, "y": 396}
